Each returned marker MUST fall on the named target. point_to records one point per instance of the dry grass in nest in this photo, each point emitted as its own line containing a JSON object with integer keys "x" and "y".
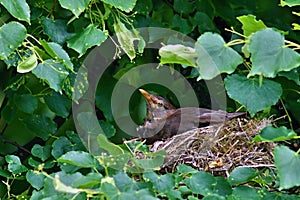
{"x": 218, "y": 149}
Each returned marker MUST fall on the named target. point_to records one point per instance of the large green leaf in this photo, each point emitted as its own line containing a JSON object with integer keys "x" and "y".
{"x": 271, "y": 134}
{"x": 11, "y": 37}
{"x": 214, "y": 57}
{"x": 36, "y": 179}
{"x": 26, "y": 103}
{"x": 269, "y": 55}
{"x": 242, "y": 175}
{"x": 59, "y": 104}
{"x": 250, "y": 24}
{"x": 42, "y": 126}
{"x": 57, "y": 52}
{"x": 287, "y": 163}
{"x": 56, "y": 29}
{"x": 162, "y": 183}
{"x": 126, "y": 6}
{"x": 75, "y": 6}
{"x": 17, "y": 8}
{"x": 201, "y": 183}
{"x": 251, "y": 94}
{"x": 84, "y": 40}
{"x": 78, "y": 158}
{"x": 53, "y": 72}
{"x": 178, "y": 54}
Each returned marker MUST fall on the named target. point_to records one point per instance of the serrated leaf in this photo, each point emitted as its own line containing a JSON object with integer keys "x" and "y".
{"x": 14, "y": 164}
{"x": 184, "y": 6}
{"x": 28, "y": 64}
{"x": 75, "y": 6}
{"x": 56, "y": 29}
{"x": 287, "y": 163}
{"x": 26, "y": 103}
{"x": 42, "y": 126}
{"x": 78, "y": 158}
{"x": 35, "y": 179}
{"x": 84, "y": 40}
{"x": 11, "y": 37}
{"x": 178, "y": 54}
{"x": 53, "y": 72}
{"x": 271, "y": 134}
{"x": 251, "y": 94}
{"x": 61, "y": 146}
{"x": 41, "y": 152}
{"x": 245, "y": 193}
{"x": 250, "y": 24}
{"x": 269, "y": 55}
{"x": 214, "y": 57}
{"x": 17, "y": 8}
{"x": 242, "y": 175}
{"x": 126, "y": 6}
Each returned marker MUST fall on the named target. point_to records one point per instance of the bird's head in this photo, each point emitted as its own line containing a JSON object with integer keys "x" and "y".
{"x": 156, "y": 105}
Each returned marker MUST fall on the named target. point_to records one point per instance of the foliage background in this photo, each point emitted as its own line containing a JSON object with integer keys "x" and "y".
{"x": 43, "y": 44}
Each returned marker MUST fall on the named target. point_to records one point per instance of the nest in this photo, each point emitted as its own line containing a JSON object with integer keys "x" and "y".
{"x": 218, "y": 149}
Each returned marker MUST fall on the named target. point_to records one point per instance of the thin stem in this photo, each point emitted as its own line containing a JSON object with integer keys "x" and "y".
{"x": 233, "y": 31}
{"x": 287, "y": 114}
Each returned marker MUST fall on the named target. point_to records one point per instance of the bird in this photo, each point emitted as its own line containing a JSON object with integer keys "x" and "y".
{"x": 163, "y": 120}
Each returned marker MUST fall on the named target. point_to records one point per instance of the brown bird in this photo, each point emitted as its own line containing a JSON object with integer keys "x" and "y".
{"x": 164, "y": 120}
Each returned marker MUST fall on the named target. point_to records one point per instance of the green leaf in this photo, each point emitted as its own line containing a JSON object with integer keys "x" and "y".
{"x": 57, "y": 53}
{"x": 42, "y": 126}
{"x": 78, "y": 158}
{"x": 162, "y": 183}
{"x": 184, "y": 6}
{"x": 251, "y": 94}
{"x": 36, "y": 179}
{"x": 242, "y": 175}
{"x": 53, "y": 72}
{"x": 17, "y": 8}
{"x": 250, "y": 24}
{"x": 75, "y": 6}
{"x": 61, "y": 146}
{"x": 11, "y": 37}
{"x": 150, "y": 164}
{"x": 271, "y": 134}
{"x": 26, "y": 103}
{"x": 56, "y": 30}
{"x": 178, "y": 54}
{"x": 123, "y": 182}
{"x": 59, "y": 104}
{"x": 28, "y": 64}
{"x": 107, "y": 128}
{"x": 287, "y": 163}
{"x": 14, "y": 164}
{"x": 201, "y": 183}
{"x": 126, "y": 6}
{"x": 88, "y": 181}
{"x": 214, "y": 57}
{"x": 245, "y": 193}
{"x": 84, "y": 40}
{"x": 289, "y": 3}
{"x": 89, "y": 123}
{"x": 41, "y": 152}
{"x": 110, "y": 147}
{"x": 181, "y": 24}
{"x": 125, "y": 38}
{"x": 269, "y": 55}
